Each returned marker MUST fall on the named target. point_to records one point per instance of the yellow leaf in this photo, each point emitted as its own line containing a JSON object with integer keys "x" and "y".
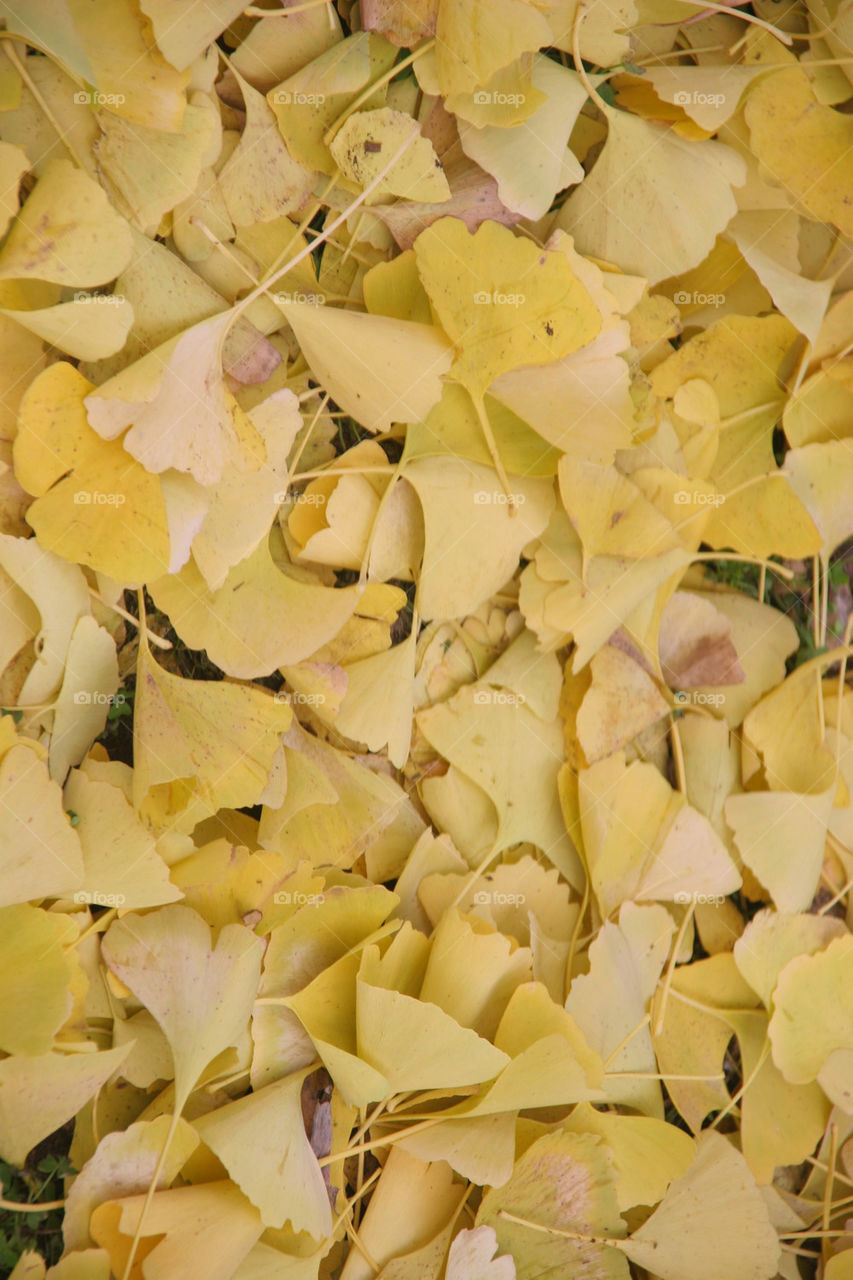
{"x": 183, "y": 416}
{"x": 261, "y": 1140}
{"x": 38, "y": 1095}
{"x": 121, "y": 859}
{"x": 176, "y": 734}
{"x": 621, "y": 702}
{"x": 260, "y": 180}
{"x": 88, "y": 688}
{"x": 96, "y": 505}
{"x": 712, "y": 1218}
{"x": 40, "y": 853}
{"x": 532, "y": 161}
{"x": 565, "y": 1181}
{"x": 290, "y": 617}
{"x": 654, "y": 203}
{"x": 201, "y": 996}
{"x": 471, "y": 1257}
{"x": 473, "y": 538}
{"x": 380, "y": 370}
{"x": 781, "y": 837}
{"x": 214, "y": 1223}
{"x": 66, "y": 232}
{"x": 148, "y": 172}
{"x": 647, "y": 1154}
{"x": 364, "y": 142}
{"x": 501, "y": 301}
{"x": 475, "y": 38}
{"x": 35, "y": 989}
{"x": 802, "y": 145}
{"x": 123, "y": 1163}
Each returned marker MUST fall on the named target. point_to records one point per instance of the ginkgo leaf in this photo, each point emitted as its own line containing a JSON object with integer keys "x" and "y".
{"x": 38, "y": 1095}
{"x": 611, "y": 1000}
{"x": 364, "y": 142}
{"x": 35, "y": 990}
{"x": 712, "y": 1217}
{"x": 66, "y": 232}
{"x": 121, "y": 859}
{"x": 811, "y": 1031}
{"x": 148, "y": 172}
{"x": 565, "y": 1181}
{"x": 105, "y": 44}
{"x": 261, "y": 180}
{"x": 89, "y": 327}
{"x": 261, "y": 1141}
{"x": 413, "y": 1202}
{"x": 124, "y": 1163}
{"x": 471, "y": 1257}
{"x": 176, "y": 736}
{"x": 183, "y": 416}
{"x": 416, "y": 1045}
{"x": 91, "y": 681}
{"x": 513, "y": 756}
{"x": 473, "y": 537}
{"x": 377, "y": 706}
{"x": 503, "y": 303}
{"x": 105, "y": 510}
{"x": 201, "y": 995}
{"x": 781, "y": 836}
{"x": 653, "y": 203}
{"x": 621, "y": 702}
{"x": 326, "y": 1009}
{"x": 291, "y": 617}
{"x": 379, "y": 369}
{"x": 214, "y": 1221}
{"x": 314, "y": 95}
{"x": 481, "y": 1149}
{"x": 474, "y": 39}
{"x": 532, "y": 162}
{"x": 772, "y": 938}
{"x": 820, "y": 477}
{"x": 801, "y": 145}
{"x": 40, "y": 853}
{"x": 242, "y": 506}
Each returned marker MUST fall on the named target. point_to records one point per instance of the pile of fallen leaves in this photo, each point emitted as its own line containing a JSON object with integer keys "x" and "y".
{"x": 425, "y": 853}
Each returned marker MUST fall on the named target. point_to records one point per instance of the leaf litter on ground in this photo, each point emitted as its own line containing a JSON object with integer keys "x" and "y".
{"x": 426, "y": 761}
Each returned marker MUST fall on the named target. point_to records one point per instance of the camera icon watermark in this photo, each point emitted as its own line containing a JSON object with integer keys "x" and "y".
{"x": 93, "y": 497}
{"x": 305, "y": 699}
{"x": 306, "y": 299}
{"x": 495, "y": 297}
{"x": 85, "y": 698}
{"x": 284, "y": 898}
{"x": 482, "y": 98}
{"x": 94, "y": 98}
{"x": 484, "y": 498}
{"x": 700, "y": 699}
{"x": 686, "y": 99}
{"x": 85, "y": 899}
{"x": 498, "y": 698}
{"x": 684, "y": 496}
{"x": 294, "y": 98}
{"x": 98, "y": 299}
{"x": 696, "y": 299}
{"x": 484, "y": 898}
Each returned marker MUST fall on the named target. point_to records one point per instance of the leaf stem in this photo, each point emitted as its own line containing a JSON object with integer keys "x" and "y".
{"x": 14, "y": 1206}
{"x": 12, "y": 54}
